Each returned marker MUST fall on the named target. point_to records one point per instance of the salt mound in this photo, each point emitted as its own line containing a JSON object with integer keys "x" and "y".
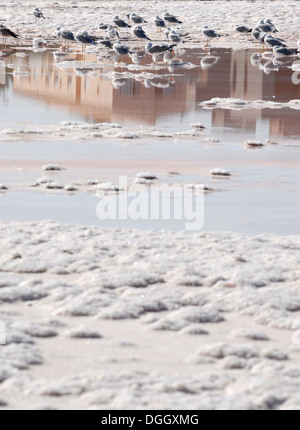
{"x": 146, "y": 175}
{"x": 83, "y": 332}
{"x": 107, "y": 186}
{"x": 54, "y": 186}
{"x": 220, "y": 172}
{"x": 51, "y": 167}
{"x": 254, "y": 144}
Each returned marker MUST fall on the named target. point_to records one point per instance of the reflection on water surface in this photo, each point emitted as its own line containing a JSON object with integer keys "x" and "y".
{"x": 166, "y": 96}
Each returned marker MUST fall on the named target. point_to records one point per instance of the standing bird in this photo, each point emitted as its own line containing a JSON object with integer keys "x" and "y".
{"x": 121, "y": 49}
{"x": 273, "y": 41}
{"x": 256, "y": 32}
{"x": 57, "y": 34}
{"x": 139, "y": 33}
{"x": 136, "y": 19}
{"x": 39, "y": 43}
{"x": 171, "y": 19}
{"x": 266, "y": 28}
{"x": 156, "y": 50}
{"x": 268, "y": 21}
{"x": 159, "y": 23}
{"x": 6, "y": 32}
{"x": 282, "y": 50}
{"x": 174, "y": 37}
{"x": 38, "y": 14}
{"x": 84, "y": 39}
{"x": 167, "y": 32}
{"x": 209, "y": 34}
{"x": 105, "y": 42}
{"x": 65, "y": 35}
{"x": 112, "y": 33}
{"x": 120, "y": 22}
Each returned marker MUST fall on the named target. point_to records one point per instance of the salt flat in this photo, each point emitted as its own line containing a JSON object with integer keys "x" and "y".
{"x": 119, "y": 319}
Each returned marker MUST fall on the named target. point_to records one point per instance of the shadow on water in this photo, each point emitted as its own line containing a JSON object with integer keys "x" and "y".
{"x": 165, "y": 95}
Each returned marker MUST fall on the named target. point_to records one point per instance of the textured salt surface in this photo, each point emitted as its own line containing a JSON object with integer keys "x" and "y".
{"x": 99, "y": 319}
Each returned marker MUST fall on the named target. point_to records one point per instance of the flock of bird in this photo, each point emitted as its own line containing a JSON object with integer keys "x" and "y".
{"x": 264, "y": 33}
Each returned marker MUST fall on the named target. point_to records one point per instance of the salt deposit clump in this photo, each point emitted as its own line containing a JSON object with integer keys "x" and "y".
{"x": 250, "y": 334}
{"x": 83, "y": 332}
{"x": 93, "y": 182}
{"x": 199, "y": 187}
{"x": 42, "y": 181}
{"x": 254, "y": 144}
{"x": 70, "y": 188}
{"x": 198, "y": 126}
{"x": 54, "y": 185}
{"x": 52, "y": 167}
{"x": 107, "y": 186}
{"x": 146, "y": 175}
{"x": 220, "y": 172}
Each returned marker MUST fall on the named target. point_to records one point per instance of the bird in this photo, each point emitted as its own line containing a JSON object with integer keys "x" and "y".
{"x": 39, "y": 43}
{"x": 283, "y": 50}
{"x": 159, "y": 23}
{"x": 136, "y": 19}
{"x": 57, "y": 33}
{"x": 167, "y": 32}
{"x": 102, "y": 26}
{"x": 6, "y": 32}
{"x": 243, "y": 29}
{"x": 171, "y": 19}
{"x": 38, "y": 14}
{"x": 65, "y": 35}
{"x": 209, "y": 34}
{"x": 266, "y": 28}
{"x": 112, "y": 32}
{"x": 180, "y": 31}
{"x": 157, "y": 49}
{"x": 174, "y": 37}
{"x": 121, "y": 49}
{"x": 139, "y": 33}
{"x": 94, "y": 38}
{"x": 256, "y": 33}
{"x": 105, "y": 42}
{"x": 262, "y": 37}
{"x": 120, "y": 22}
{"x": 273, "y": 41}
{"x": 269, "y": 22}
{"x": 84, "y": 39}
